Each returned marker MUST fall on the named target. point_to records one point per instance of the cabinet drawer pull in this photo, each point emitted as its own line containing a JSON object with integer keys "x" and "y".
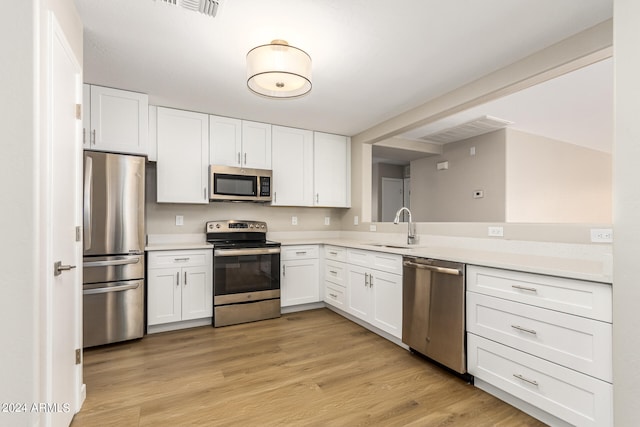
{"x": 520, "y": 328}
{"x": 333, "y": 272}
{"x": 181, "y": 259}
{"x": 333, "y": 296}
{"x": 524, "y": 288}
{"x": 333, "y": 253}
{"x": 301, "y": 253}
{"x": 527, "y": 380}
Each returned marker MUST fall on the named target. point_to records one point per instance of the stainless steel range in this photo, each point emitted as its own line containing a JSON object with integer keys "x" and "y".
{"x": 246, "y": 272}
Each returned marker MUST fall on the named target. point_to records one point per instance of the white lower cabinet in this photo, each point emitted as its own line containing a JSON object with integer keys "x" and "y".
{"x": 299, "y": 275}
{"x": 543, "y": 340}
{"x": 375, "y": 295}
{"x": 179, "y": 286}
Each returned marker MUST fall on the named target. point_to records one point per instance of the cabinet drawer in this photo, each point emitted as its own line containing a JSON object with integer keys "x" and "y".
{"x": 572, "y": 341}
{"x": 298, "y": 252}
{"x": 335, "y": 272}
{"x": 587, "y": 299}
{"x": 336, "y": 253}
{"x": 335, "y": 295}
{"x": 179, "y": 258}
{"x": 391, "y": 263}
{"x": 569, "y": 395}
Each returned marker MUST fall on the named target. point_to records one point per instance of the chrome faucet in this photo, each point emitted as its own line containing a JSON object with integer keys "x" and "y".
{"x": 411, "y": 230}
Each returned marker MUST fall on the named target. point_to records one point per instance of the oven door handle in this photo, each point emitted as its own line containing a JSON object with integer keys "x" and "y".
{"x": 246, "y": 251}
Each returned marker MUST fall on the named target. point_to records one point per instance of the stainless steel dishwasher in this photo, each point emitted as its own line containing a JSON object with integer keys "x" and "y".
{"x": 433, "y": 316}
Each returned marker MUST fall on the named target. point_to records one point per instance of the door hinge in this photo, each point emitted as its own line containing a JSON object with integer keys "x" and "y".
{"x": 78, "y": 233}
{"x": 79, "y": 111}
{"x": 78, "y": 356}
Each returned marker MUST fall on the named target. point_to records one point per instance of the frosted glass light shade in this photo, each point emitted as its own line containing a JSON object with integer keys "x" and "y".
{"x": 278, "y": 70}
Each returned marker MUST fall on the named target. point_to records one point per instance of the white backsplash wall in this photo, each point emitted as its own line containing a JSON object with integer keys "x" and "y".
{"x": 161, "y": 217}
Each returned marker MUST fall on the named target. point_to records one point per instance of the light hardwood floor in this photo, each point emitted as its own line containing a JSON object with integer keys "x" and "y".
{"x": 312, "y": 368}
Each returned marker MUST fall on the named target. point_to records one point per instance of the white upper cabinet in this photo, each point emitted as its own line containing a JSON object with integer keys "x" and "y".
{"x": 292, "y": 161}
{"x": 115, "y": 120}
{"x": 332, "y": 170}
{"x": 240, "y": 143}
{"x": 256, "y": 145}
{"x": 225, "y": 141}
{"x": 183, "y": 156}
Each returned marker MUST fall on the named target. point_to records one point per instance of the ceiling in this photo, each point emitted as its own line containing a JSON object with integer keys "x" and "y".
{"x": 372, "y": 59}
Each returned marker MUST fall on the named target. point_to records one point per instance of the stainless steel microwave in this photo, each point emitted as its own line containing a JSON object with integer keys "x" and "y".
{"x": 239, "y": 184}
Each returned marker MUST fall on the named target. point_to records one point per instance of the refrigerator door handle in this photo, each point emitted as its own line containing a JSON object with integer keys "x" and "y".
{"x": 88, "y": 184}
{"x": 122, "y": 261}
{"x": 111, "y": 289}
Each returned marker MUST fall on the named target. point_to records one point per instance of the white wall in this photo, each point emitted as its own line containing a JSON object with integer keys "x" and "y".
{"x": 19, "y": 376}
{"x": 626, "y": 214}
{"x": 552, "y": 181}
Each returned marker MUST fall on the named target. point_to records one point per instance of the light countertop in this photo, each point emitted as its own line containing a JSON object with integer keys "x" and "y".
{"x": 571, "y": 261}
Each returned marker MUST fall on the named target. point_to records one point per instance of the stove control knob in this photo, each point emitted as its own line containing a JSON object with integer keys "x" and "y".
{"x": 217, "y": 225}
{"x": 250, "y": 225}
{"x": 262, "y": 226}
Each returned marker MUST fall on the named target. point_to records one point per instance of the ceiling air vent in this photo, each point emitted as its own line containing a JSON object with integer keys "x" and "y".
{"x": 207, "y": 7}
{"x": 479, "y": 126}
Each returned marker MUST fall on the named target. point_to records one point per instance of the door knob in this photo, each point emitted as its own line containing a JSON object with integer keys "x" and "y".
{"x": 58, "y": 268}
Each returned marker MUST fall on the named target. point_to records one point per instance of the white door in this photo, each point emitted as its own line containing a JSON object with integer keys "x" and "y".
{"x": 392, "y": 198}
{"x": 64, "y": 314}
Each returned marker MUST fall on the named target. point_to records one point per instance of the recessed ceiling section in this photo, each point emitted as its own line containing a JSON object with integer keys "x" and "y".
{"x": 476, "y": 127}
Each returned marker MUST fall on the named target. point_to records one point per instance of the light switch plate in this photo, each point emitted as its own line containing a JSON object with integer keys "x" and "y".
{"x": 327, "y": 220}
{"x": 179, "y": 220}
{"x": 355, "y": 220}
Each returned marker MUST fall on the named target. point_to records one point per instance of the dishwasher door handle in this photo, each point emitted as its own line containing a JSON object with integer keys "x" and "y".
{"x": 443, "y": 270}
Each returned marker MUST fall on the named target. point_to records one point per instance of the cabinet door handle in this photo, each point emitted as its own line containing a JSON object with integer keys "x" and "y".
{"x": 84, "y": 136}
{"x": 178, "y": 278}
{"x": 371, "y": 280}
{"x": 284, "y": 271}
{"x": 185, "y": 278}
{"x": 245, "y": 158}
{"x": 366, "y": 279}
{"x": 520, "y": 328}
{"x": 524, "y": 288}
{"x": 93, "y": 137}
{"x": 238, "y": 157}
{"x": 317, "y": 197}
{"x": 204, "y": 191}
{"x": 527, "y": 380}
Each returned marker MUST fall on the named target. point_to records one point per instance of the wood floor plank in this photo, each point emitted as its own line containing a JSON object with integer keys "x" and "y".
{"x": 312, "y": 368}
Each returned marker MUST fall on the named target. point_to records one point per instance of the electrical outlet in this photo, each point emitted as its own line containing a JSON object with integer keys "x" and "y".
{"x": 601, "y": 235}
{"x": 355, "y": 220}
{"x": 373, "y": 227}
{"x": 294, "y": 220}
{"x": 472, "y": 151}
{"x": 327, "y": 220}
{"x": 179, "y": 220}
{"x": 496, "y": 231}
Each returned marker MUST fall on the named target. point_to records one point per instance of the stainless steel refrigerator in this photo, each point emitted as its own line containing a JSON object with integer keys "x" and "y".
{"x": 114, "y": 237}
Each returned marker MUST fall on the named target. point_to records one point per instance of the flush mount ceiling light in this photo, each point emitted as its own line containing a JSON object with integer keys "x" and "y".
{"x": 278, "y": 70}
